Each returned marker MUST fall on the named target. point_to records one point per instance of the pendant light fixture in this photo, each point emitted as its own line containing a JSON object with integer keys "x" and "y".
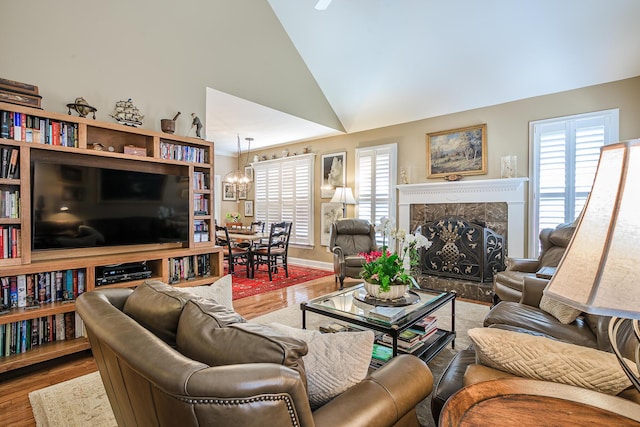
{"x": 237, "y": 177}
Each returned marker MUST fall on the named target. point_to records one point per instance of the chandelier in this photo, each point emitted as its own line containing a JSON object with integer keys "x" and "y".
{"x": 237, "y": 177}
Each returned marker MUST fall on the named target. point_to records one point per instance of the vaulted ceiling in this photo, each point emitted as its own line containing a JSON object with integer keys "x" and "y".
{"x": 365, "y": 64}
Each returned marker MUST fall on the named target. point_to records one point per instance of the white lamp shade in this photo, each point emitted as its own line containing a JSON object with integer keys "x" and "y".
{"x": 343, "y": 195}
{"x": 600, "y": 272}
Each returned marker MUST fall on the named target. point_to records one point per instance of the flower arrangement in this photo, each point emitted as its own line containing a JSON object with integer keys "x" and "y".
{"x": 233, "y": 216}
{"x": 384, "y": 268}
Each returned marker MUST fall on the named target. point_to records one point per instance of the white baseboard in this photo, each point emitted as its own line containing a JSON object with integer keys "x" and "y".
{"x": 311, "y": 263}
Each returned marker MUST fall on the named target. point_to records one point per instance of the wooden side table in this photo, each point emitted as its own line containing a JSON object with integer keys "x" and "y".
{"x": 523, "y": 402}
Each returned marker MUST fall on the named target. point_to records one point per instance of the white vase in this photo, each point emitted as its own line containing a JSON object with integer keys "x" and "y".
{"x": 394, "y": 292}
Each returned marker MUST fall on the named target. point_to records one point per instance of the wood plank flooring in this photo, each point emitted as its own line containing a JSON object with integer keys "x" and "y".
{"x": 15, "y": 386}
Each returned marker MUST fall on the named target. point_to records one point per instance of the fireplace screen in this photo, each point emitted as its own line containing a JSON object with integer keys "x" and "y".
{"x": 462, "y": 250}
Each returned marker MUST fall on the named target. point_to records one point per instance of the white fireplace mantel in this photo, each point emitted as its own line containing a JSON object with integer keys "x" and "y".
{"x": 508, "y": 190}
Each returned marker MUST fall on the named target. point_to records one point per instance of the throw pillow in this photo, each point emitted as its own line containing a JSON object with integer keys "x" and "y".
{"x": 545, "y": 359}
{"x": 220, "y": 291}
{"x": 334, "y": 362}
{"x": 208, "y": 333}
{"x": 564, "y": 313}
{"x": 157, "y": 307}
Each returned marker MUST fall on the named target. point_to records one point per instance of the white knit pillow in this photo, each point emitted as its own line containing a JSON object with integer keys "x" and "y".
{"x": 542, "y": 358}
{"x": 334, "y": 362}
{"x": 220, "y": 291}
{"x": 564, "y": 313}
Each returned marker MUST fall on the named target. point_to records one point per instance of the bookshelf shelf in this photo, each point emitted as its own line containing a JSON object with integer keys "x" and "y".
{"x": 54, "y": 135}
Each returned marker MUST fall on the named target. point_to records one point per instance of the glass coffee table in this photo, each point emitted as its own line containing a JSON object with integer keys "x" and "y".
{"x": 351, "y": 305}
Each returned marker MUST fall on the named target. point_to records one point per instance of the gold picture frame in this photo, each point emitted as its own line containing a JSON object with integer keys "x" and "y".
{"x": 461, "y": 151}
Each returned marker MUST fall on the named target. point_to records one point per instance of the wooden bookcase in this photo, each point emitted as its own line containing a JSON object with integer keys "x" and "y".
{"x": 155, "y": 152}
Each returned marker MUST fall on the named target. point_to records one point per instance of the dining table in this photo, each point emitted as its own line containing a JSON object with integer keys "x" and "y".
{"x": 245, "y": 235}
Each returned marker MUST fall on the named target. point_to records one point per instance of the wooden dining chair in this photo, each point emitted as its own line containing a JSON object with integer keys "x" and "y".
{"x": 274, "y": 253}
{"x": 233, "y": 254}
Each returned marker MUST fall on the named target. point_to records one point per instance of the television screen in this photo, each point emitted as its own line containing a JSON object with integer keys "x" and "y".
{"x": 76, "y": 205}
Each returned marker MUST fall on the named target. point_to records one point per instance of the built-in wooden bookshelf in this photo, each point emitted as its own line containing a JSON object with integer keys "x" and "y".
{"x": 28, "y": 132}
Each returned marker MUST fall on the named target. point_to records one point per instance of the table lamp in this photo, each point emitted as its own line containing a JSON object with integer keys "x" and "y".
{"x": 599, "y": 271}
{"x": 343, "y": 195}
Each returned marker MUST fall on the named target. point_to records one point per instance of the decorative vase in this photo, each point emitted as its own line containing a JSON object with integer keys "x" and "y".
{"x": 394, "y": 292}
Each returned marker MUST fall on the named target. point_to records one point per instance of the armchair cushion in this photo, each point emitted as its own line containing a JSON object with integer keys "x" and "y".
{"x": 208, "y": 337}
{"x": 157, "y": 307}
{"x": 334, "y": 362}
{"x": 548, "y": 360}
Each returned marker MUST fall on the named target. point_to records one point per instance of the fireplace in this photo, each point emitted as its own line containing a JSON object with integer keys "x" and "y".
{"x": 461, "y": 249}
{"x": 498, "y": 204}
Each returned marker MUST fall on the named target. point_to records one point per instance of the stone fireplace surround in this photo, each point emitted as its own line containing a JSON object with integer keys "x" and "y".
{"x": 496, "y": 202}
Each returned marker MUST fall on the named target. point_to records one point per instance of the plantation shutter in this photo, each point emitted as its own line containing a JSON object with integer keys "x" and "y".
{"x": 565, "y": 154}
{"x": 376, "y": 172}
{"x": 283, "y": 193}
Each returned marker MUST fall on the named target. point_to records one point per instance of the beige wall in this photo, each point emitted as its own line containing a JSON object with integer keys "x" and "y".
{"x": 507, "y": 134}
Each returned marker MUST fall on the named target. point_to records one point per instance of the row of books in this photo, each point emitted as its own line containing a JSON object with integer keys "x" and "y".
{"x": 200, "y": 231}
{"x": 19, "y": 337}
{"x": 10, "y": 242}
{"x": 9, "y": 204}
{"x": 200, "y": 204}
{"x": 28, "y": 290}
{"x": 422, "y": 333}
{"x": 27, "y": 128}
{"x": 9, "y": 168}
{"x": 200, "y": 181}
{"x": 189, "y": 267}
{"x": 183, "y": 153}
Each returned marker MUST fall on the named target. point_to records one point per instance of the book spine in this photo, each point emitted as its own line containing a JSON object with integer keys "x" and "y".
{"x": 17, "y": 128}
{"x": 12, "y": 163}
{"x": 22, "y": 290}
{"x": 4, "y": 124}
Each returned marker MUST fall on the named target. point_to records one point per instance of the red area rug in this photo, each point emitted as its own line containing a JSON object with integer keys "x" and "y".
{"x": 243, "y": 287}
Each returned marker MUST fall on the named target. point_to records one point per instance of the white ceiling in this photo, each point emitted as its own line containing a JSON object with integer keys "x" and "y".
{"x": 385, "y": 62}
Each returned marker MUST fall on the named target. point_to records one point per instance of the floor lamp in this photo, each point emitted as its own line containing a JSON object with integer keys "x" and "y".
{"x": 343, "y": 195}
{"x": 599, "y": 271}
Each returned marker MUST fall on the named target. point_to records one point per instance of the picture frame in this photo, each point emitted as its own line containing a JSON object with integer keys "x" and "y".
{"x": 242, "y": 192}
{"x": 248, "y": 172}
{"x": 248, "y": 208}
{"x": 329, "y": 213}
{"x": 461, "y": 151}
{"x": 334, "y": 173}
{"x": 228, "y": 191}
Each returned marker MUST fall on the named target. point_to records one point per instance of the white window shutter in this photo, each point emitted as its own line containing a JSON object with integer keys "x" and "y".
{"x": 283, "y": 192}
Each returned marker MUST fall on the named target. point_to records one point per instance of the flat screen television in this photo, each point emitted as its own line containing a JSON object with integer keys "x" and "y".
{"x": 80, "y": 205}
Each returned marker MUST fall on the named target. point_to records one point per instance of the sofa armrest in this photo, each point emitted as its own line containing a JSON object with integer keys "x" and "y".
{"x": 381, "y": 399}
{"x": 532, "y": 290}
{"x": 526, "y": 265}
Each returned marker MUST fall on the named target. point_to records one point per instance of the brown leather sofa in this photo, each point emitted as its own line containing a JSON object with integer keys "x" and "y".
{"x": 348, "y": 238}
{"x": 525, "y": 316}
{"x": 150, "y": 383}
{"x": 507, "y": 284}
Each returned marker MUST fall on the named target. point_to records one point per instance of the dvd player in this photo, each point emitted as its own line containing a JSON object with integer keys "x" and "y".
{"x": 116, "y": 273}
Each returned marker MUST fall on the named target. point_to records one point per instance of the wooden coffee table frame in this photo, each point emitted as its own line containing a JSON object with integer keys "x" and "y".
{"x": 426, "y": 352}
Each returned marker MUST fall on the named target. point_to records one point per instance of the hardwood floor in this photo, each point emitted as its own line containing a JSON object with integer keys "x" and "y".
{"x": 15, "y": 386}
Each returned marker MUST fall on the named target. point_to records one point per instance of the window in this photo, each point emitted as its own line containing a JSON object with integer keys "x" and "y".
{"x": 376, "y": 183}
{"x": 283, "y": 193}
{"x": 565, "y": 153}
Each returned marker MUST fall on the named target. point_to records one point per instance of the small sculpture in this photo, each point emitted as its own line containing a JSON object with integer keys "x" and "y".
{"x": 169, "y": 125}
{"x": 197, "y": 123}
{"x": 126, "y": 113}
{"x": 453, "y": 177}
{"x": 82, "y": 107}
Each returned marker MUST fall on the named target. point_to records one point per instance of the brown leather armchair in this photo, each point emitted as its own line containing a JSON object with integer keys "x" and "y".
{"x": 507, "y": 284}
{"x": 348, "y": 238}
{"x": 150, "y": 383}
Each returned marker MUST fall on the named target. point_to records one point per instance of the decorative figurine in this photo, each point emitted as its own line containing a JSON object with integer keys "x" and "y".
{"x": 126, "y": 113}
{"x": 82, "y": 107}
{"x": 197, "y": 123}
{"x": 169, "y": 125}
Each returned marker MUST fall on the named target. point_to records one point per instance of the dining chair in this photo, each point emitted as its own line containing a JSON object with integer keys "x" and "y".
{"x": 274, "y": 253}
{"x": 233, "y": 254}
